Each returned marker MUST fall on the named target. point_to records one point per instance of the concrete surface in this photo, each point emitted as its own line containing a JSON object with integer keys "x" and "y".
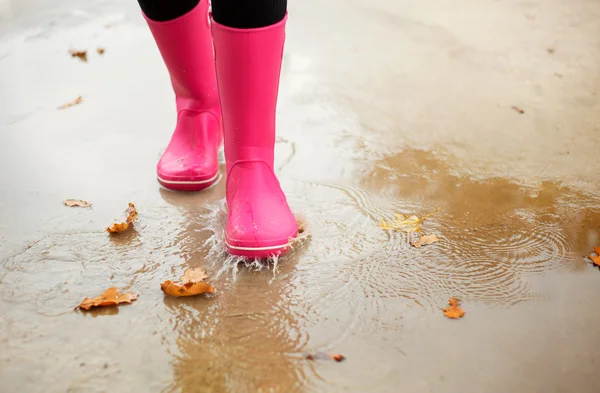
{"x": 385, "y": 106}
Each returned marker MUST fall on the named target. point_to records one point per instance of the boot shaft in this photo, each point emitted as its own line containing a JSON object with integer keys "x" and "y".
{"x": 248, "y": 63}
{"x": 185, "y": 45}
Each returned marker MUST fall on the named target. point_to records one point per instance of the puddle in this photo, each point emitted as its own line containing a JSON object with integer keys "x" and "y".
{"x": 352, "y": 282}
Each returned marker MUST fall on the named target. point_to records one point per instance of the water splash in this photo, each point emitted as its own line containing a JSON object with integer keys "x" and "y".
{"x": 215, "y": 219}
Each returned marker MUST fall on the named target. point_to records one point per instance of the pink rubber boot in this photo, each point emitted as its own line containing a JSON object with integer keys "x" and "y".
{"x": 259, "y": 222}
{"x": 190, "y": 162}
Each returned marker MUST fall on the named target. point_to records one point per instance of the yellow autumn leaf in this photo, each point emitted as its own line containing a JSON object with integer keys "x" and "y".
{"x": 405, "y": 223}
{"x": 193, "y": 275}
{"x": 427, "y": 239}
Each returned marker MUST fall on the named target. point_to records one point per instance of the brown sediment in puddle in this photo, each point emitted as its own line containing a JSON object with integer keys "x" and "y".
{"x": 495, "y": 231}
{"x": 476, "y": 204}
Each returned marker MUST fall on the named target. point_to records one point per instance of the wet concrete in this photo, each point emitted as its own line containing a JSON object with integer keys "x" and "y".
{"x": 391, "y": 106}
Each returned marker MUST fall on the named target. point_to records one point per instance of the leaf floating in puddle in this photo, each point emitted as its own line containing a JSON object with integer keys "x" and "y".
{"x": 454, "y": 312}
{"x": 193, "y": 275}
{"x": 596, "y": 259}
{"x": 80, "y": 54}
{"x": 192, "y": 284}
{"x": 427, "y": 239}
{"x": 177, "y": 289}
{"x": 76, "y": 203}
{"x": 111, "y": 297}
{"x": 69, "y": 104}
{"x": 117, "y": 227}
{"x": 122, "y": 226}
{"x": 325, "y": 356}
{"x": 405, "y": 223}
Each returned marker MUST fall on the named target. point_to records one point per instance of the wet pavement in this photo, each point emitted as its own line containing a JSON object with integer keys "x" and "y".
{"x": 385, "y": 106}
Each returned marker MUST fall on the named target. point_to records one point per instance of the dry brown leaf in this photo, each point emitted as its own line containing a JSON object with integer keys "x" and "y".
{"x": 69, "y": 104}
{"x": 100, "y": 51}
{"x": 131, "y": 213}
{"x": 177, "y": 289}
{"x": 405, "y": 223}
{"x": 111, "y": 297}
{"x": 122, "y": 226}
{"x": 77, "y": 203}
{"x": 301, "y": 228}
{"x": 516, "y": 108}
{"x": 454, "y": 312}
{"x": 193, "y": 275}
{"x": 325, "y": 356}
{"x": 117, "y": 227}
{"x": 81, "y": 54}
{"x": 596, "y": 259}
{"x": 427, "y": 239}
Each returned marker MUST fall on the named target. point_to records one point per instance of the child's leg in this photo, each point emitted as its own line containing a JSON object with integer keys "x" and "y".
{"x": 248, "y": 14}
{"x": 182, "y": 33}
{"x": 164, "y": 10}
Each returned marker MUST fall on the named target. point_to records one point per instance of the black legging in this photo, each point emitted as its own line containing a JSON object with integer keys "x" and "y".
{"x": 240, "y": 14}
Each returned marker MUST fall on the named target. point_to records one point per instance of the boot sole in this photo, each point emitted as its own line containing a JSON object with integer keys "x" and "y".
{"x": 258, "y": 252}
{"x": 193, "y": 185}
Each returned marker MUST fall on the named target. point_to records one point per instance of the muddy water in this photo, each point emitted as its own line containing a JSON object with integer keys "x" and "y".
{"x": 398, "y": 108}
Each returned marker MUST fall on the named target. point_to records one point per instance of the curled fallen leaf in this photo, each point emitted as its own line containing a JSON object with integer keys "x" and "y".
{"x": 177, "y": 289}
{"x": 454, "y": 311}
{"x": 122, "y": 226}
{"x": 80, "y": 54}
{"x": 405, "y": 223}
{"x": 325, "y": 356}
{"x": 77, "y": 203}
{"x": 517, "y": 109}
{"x": 131, "y": 213}
{"x": 69, "y": 104}
{"x": 100, "y": 51}
{"x": 117, "y": 227}
{"x": 192, "y": 284}
{"x": 111, "y": 297}
{"x": 427, "y": 239}
{"x": 596, "y": 259}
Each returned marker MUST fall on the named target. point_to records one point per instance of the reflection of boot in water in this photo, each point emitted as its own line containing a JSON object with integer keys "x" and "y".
{"x": 190, "y": 162}
{"x": 248, "y": 60}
